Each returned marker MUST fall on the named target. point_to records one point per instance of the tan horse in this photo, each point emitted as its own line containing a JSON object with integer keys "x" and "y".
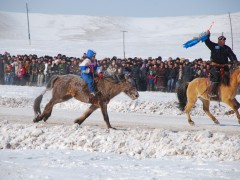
{"x": 68, "y": 86}
{"x": 188, "y": 93}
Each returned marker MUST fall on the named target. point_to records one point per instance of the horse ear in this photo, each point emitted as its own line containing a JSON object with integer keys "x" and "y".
{"x": 128, "y": 79}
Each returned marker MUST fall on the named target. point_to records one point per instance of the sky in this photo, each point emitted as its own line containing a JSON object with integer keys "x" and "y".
{"x": 129, "y": 8}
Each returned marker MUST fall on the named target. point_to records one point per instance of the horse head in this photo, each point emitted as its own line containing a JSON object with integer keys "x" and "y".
{"x": 129, "y": 87}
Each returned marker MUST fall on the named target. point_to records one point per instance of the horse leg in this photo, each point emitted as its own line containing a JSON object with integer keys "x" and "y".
{"x": 47, "y": 116}
{"x": 48, "y": 108}
{"x": 87, "y": 113}
{"x": 234, "y": 106}
{"x": 46, "y": 112}
{"x": 103, "y": 107}
{"x": 191, "y": 101}
{"x": 206, "y": 104}
{"x": 232, "y": 111}
{"x": 187, "y": 110}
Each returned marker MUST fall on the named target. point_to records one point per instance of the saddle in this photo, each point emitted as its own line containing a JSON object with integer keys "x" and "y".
{"x": 209, "y": 90}
{"x": 93, "y": 99}
{"x": 224, "y": 79}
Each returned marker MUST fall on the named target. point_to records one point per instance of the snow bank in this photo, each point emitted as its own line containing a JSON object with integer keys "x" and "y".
{"x": 136, "y": 142}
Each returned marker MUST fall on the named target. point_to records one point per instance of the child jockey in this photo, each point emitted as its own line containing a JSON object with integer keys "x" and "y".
{"x": 87, "y": 69}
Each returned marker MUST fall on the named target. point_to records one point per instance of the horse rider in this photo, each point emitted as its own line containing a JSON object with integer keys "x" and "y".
{"x": 88, "y": 68}
{"x": 219, "y": 59}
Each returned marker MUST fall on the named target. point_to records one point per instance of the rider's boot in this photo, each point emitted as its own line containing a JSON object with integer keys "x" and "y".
{"x": 214, "y": 90}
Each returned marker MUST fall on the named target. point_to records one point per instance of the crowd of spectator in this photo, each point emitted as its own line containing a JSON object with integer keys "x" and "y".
{"x": 151, "y": 74}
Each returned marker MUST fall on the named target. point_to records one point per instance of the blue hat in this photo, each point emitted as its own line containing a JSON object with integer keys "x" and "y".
{"x": 90, "y": 53}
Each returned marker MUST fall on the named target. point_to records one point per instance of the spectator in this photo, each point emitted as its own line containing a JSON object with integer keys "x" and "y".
{"x": 54, "y": 69}
{"x": 110, "y": 70}
{"x": 1, "y": 70}
{"x": 187, "y": 71}
{"x": 179, "y": 76}
{"x": 74, "y": 67}
{"x": 40, "y": 74}
{"x": 151, "y": 80}
{"x": 143, "y": 76}
{"x": 194, "y": 71}
{"x": 171, "y": 76}
{"x": 26, "y": 76}
{"x": 21, "y": 73}
{"x": 7, "y": 73}
{"x": 33, "y": 72}
{"x": 161, "y": 77}
{"x": 62, "y": 67}
{"x": 204, "y": 73}
{"x": 135, "y": 73}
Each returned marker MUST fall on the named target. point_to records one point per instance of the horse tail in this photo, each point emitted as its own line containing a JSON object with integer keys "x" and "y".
{"x": 38, "y": 100}
{"x": 182, "y": 95}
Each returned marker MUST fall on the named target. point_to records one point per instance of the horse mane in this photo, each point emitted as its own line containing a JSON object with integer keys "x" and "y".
{"x": 115, "y": 78}
{"x": 227, "y": 77}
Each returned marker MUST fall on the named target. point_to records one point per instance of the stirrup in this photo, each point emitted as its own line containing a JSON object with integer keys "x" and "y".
{"x": 212, "y": 95}
{"x": 93, "y": 94}
{"x": 93, "y": 99}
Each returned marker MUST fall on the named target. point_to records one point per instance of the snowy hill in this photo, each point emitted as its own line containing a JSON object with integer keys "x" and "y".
{"x": 74, "y": 34}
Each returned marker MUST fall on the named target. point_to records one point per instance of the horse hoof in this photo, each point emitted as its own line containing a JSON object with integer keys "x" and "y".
{"x": 36, "y": 119}
{"x": 77, "y": 121}
{"x": 192, "y": 123}
{"x": 112, "y": 128}
{"x": 216, "y": 122}
{"x": 229, "y": 112}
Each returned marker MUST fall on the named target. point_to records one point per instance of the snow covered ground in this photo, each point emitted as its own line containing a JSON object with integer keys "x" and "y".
{"x": 153, "y": 139}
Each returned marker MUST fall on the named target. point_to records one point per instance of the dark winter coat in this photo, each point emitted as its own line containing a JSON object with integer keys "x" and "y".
{"x": 220, "y": 54}
{"x": 171, "y": 74}
{"x": 135, "y": 72}
{"x": 1, "y": 68}
{"x": 161, "y": 77}
{"x": 187, "y": 73}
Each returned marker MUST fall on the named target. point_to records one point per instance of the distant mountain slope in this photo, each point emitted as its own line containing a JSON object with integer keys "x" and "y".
{"x": 73, "y": 34}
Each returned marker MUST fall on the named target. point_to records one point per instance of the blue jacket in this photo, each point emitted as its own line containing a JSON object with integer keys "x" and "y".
{"x": 88, "y": 67}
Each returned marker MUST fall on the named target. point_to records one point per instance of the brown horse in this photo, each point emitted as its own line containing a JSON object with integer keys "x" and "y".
{"x": 188, "y": 93}
{"x": 67, "y": 86}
